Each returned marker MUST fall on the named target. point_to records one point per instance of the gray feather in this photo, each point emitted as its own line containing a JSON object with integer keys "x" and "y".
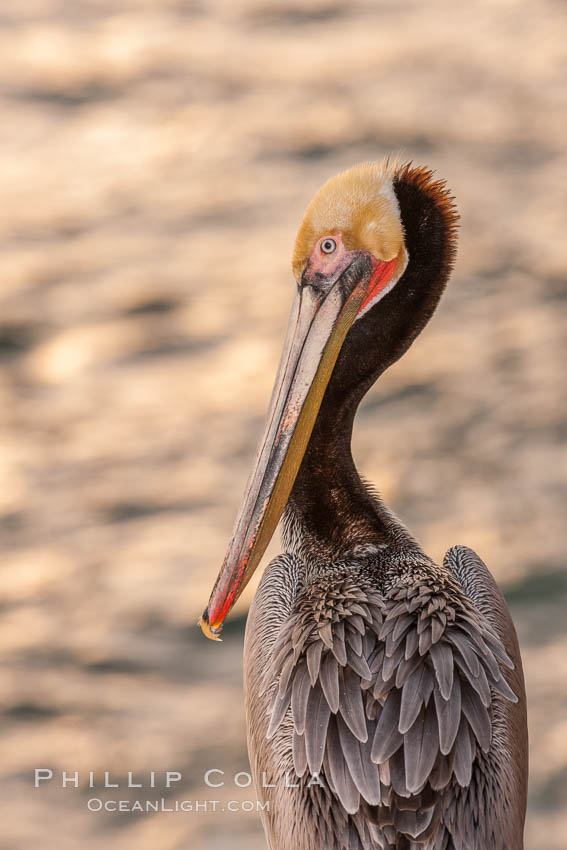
{"x": 326, "y": 634}
{"x": 412, "y": 700}
{"x": 340, "y": 777}
{"x": 391, "y": 663}
{"x": 406, "y": 668}
{"x": 425, "y": 640}
{"x": 442, "y": 772}
{"x": 462, "y": 765}
{"x": 502, "y": 686}
{"x": 448, "y": 716}
{"x": 280, "y": 706}
{"x": 299, "y": 754}
{"x": 388, "y": 738}
{"x": 339, "y": 649}
{"x": 359, "y": 664}
{"x": 354, "y": 638}
{"x": 437, "y": 629}
{"x": 316, "y": 722}
{"x": 478, "y": 717}
{"x": 421, "y": 747}
{"x": 313, "y": 656}
{"x": 465, "y": 652}
{"x": 299, "y": 698}
{"x": 364, "y": 773}
{"x": 398, "y": 774}
{"x": 357, "y": 623}
{"x": 287, "y": 669}
{"x": 412, "y": 641}
{"x": 329, "y": 677}
{"x": 414, "y": 823}
{"x": 351, "y": 705}
{"x": 444, "y": 665}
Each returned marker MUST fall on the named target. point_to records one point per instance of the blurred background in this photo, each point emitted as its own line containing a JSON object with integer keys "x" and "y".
{"x": 155, "y": 161}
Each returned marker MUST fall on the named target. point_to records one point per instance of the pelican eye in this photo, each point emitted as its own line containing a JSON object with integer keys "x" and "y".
{"x": 328, "y": 245}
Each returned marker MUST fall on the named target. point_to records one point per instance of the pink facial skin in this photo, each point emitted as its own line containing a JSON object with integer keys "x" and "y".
{"x": 326, "y": 268}
{"x": 324, "y": 262}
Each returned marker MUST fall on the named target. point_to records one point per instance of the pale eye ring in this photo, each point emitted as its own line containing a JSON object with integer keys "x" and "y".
{"x": 328, "y": 245}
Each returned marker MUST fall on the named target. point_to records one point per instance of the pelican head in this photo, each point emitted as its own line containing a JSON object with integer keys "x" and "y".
{"x": 350, "y": 252}
{"x": 354, "y": 214}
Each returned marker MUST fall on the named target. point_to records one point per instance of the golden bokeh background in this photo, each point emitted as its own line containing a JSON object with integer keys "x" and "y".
{"x": 155, "y": 159}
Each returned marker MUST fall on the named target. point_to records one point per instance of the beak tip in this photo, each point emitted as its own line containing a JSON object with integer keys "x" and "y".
{"x": 210, "y": 632}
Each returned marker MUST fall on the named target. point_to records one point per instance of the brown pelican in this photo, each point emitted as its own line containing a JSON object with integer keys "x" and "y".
{"x": 384, "y": 692}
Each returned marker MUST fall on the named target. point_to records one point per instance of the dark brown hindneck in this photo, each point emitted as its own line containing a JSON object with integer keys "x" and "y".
{"x": 330, "y": 505}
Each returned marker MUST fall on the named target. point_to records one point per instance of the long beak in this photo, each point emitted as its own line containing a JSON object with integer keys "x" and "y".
{"x": 318, "y": 325}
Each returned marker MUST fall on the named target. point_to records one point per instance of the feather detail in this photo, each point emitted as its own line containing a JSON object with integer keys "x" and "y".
{"x": 299, "y": 754}
{"x": 463, "y": 756}
{"x": 316, "y": 723}
{"x": 477, "y": 716}
{"x": 391, "y": 700}
{"x": 363, "y": 771}
{"x": 448, "y": 716}
{"x": 314, "y": 660}
{"x": 388, "y": 738}
{"x": 330, "y": 681}
{"x": 339, "y": 774}
{"x": 351, "y": 706}
{"x": 299, "y": 698}
{"x": 412, "y": 699}
{"x": 443, "y": 663}
{"x": 421, "y": 748}
{"x": 279, "y": 708}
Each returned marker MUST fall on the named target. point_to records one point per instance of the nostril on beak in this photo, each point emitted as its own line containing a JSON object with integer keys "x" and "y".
{"x": 310, "y": 277}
